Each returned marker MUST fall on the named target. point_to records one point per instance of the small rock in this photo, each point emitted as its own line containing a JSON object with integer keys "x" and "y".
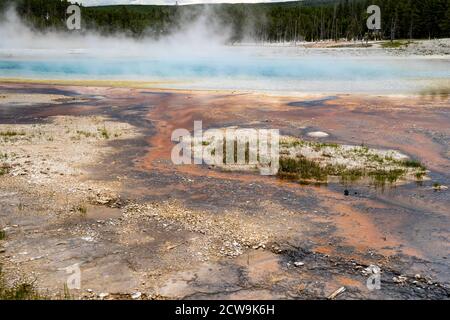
{"x": 346, "y": 193}
{"x": 372, "y": 269}
{"x": 136, "y": 295}
{"x": 88, "y": 239}
{"x": 399, "y": 279}
{"x": 103, "y": 295}
{"x": 36, "y": 258}
{"x": 299, "y": 264}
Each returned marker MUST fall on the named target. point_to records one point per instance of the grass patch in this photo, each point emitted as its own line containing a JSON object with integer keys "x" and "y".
{"x": 81, "y": 209}
{"x": 86, "y": 134}
{"x": 2, "y": 234}
{"x": 11, "y": 133}
{"x": 351, "y": 175}
{"x": 292, "y": 144}
{"x": 304, "y": 169}
{"x": 394, "y": 44}
{"x": 301, "y": 168}
{"x": 319, "y": 146}
{"x": 67, "y": 295}
{"x": 419, "y": 175}
{"x": 104, "y": 133}
{"x": 381, "y": 177}
{"x": 21, "y": 290}
{"x": 413, "y": 164}
{"x": 3, "y": 170}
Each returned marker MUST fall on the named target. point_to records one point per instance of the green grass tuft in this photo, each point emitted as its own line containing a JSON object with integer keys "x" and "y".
{"x": 301, "y": 168}
{"x": 3, "y": 170}
{"x": 11, "y": 133}
{"x": 413, "y": 164}
{"x": 104, "y": 133}
{"x": 394, "y": 44}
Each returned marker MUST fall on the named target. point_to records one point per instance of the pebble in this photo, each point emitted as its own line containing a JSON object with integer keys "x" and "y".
{"x": 103, "y": 295}
{"x": 136, "y": 295}
{"x": 372, "y": 269}
{"x": 88, "y": 239}
{"x": 299, "y": 264}
{"x": 399, "y": 279}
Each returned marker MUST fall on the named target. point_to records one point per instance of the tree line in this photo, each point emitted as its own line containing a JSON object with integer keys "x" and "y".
{"x": 309, "y": 20}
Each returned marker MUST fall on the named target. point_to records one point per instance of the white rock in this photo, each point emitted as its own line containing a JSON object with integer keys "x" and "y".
{"x": 299, "y": 264}
{"x": 136, "y": 295}
{"x": 399, "y": 279}
{"x": 372, "y": 269}
{"x": 103, "y": 295}
{"x": 318, "y": 134}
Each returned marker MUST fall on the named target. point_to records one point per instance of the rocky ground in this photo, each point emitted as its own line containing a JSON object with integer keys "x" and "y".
{"x": 438, "y": 47}
{"x": 402, "y": 47}
{"x": 87, "y": 182}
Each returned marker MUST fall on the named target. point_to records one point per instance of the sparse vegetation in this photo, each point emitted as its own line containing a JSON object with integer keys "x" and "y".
{"x": 307, "y": 170}
{"x": 301, "y": 168}
{"x": 308, "y": 161}
{"x": 104, "y": 133}
{"x": 81, "y": 209}
{"x": 67, "y": 295}
{"x": 11, "y": 133}
{"x": 20, "y": 290}
{"x": 86, "y": 134}
{"x": 318, "y": 162}
{"x": 3, "y": 170}
{"x": 394, "y": 44}
{"x": 413, "y": 164}
{"x": 2, "y": 234}
{"x": 380, "y": 177}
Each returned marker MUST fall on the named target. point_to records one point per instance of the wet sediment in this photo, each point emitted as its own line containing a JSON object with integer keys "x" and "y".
{"x": 402, "y": 229}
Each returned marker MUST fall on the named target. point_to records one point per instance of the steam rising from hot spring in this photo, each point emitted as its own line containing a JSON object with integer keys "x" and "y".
{"x": 199, "y": 38}
{"x": 200, "y": 57}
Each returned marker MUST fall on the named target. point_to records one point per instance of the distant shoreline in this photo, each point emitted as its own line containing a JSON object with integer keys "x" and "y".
{"x": 433, "y": 89}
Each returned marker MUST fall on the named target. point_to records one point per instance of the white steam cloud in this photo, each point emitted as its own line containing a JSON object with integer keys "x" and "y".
{"x": 201, "y": 37}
